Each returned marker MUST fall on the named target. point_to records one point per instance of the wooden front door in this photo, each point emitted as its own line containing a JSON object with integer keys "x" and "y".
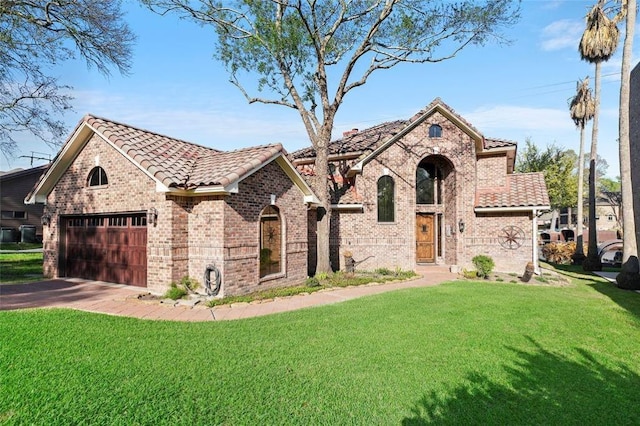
{"x": 425, "y": 238}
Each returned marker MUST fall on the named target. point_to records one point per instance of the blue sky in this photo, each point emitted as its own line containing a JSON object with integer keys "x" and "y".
{"x": 510, "y": 92}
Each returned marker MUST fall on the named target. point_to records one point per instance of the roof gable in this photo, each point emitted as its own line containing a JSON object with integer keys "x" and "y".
{"x": 366, "y": 144}
{"x": 175, "y": 165}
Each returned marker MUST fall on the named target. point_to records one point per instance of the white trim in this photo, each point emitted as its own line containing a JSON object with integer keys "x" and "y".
{"x": 290, "y": 170}
{"x": 354, "y": 206}
{"x": 534, "y": 243}
{"x": 311, "y": 199}
{"x": 200, "y": 190}
{"x": 62, "y": 157}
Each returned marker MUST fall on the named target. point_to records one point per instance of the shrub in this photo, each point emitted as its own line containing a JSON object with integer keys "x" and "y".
{"x": 312, "y": 282}
{"x": 322, "y": 276}
{"x": 559, "y": 252}
{"x": 484, "y": 264}
{"x": 179, "y": 290}
{"x": 189, "y": 284}
{"x": 469, "y": 274}
{"x": 175, "y": 292}
{"x": 383, "y": 271}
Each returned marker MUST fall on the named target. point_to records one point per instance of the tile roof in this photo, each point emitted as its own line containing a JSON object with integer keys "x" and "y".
{"x": 180, "y": 164}
{"x": 521, "y": 190}
{"x": 490, "y": 143}
{"x": 362, "y": 141}
{"x": 366, "y": 141}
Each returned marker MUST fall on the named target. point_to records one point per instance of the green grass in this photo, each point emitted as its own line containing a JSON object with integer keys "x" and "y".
{"x": 459, "y": 353}
{"x": 20, "y": 267}
{"x": 20, "y": 246}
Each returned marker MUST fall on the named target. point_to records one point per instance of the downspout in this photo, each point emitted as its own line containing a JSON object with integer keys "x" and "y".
{"x": 534, "y": 242}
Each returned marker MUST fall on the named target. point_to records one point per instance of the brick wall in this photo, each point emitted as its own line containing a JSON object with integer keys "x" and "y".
{"x": 242, "y": 232}
{"x": 191, "y": 232}
{"x": 129, "y": 190}
{"x": 492, "y": 171}
{"x": 486, "y": 240}
{"x": 393, "y": 244}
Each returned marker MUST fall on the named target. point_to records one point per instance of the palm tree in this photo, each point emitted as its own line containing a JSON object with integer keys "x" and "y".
{"x": 582, "y": 108}
{"x": 598, "y": 43}
{"x": 629, "y": 277}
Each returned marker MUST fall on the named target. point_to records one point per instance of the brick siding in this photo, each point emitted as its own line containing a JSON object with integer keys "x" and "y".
{"x": 191, "y": 232}
{"x": 392, "y": 245}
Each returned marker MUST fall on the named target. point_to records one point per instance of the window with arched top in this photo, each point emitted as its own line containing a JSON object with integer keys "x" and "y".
{"x": 428, "y": 184}
{"x": 386, "y": 194}
{"x": 435, "y": 131}
{"x": 97, "y": 177}
{"x": 270, "y": 241}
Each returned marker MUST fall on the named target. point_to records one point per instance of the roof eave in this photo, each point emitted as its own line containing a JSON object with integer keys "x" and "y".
{"x": 461, "y": 124}
{"x": 511, "y": 209}
{"x": 80, "y": 136}
{"x": 309, "y": 197}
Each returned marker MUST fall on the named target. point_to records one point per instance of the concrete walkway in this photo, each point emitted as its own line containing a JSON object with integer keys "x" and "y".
{"x": 609, "y": 276}
{"x": 122, "y": 300}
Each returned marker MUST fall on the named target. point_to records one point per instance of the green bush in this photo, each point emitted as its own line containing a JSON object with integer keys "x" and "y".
{"x": 469, "y": 274}
{"x": 179, "y": 290}
{"x": 484, "y": 264}
{"x": 175, "y": 292}
{"x": 189, "y": 284}
{"x": 383, "y": 271}
{"x": 312, "y": 282}
{"x": 321, "y": 276}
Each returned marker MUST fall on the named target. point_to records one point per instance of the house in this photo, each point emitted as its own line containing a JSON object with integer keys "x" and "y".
{"x": 126, "y": 205}
{"x": 20, "y": 222}
{"x": 429, "y": 190}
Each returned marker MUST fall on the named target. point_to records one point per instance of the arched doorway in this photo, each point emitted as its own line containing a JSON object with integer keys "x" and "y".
{"x": 271, "y": 237}
{"x": 435, "y": 210}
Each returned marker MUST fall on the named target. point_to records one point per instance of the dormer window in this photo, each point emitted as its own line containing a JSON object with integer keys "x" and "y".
{"x": 97, "y": 177}
{"x": 435, "y": 131}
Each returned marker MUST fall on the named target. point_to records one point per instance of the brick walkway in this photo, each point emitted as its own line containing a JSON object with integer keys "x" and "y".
{"x": 116, "y": 299}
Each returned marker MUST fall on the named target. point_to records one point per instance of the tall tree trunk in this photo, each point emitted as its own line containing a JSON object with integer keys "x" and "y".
{"x": 578, "y": 255}
{"x": 592, "y": 262}
{"x": 630, "y": 274}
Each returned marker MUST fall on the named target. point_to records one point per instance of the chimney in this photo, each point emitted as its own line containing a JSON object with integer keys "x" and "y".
{"x": 349, "y": 133}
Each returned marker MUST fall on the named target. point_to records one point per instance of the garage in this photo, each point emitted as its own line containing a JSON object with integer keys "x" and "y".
{"x": 111, "y": 248}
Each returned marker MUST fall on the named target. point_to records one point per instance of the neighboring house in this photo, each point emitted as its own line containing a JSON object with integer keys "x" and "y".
{"x": 17, "y": 220}
{"x": 432, "y": 190}
{"x": 609, "y": 212}
{"x": 130, "y": 206}
{"x": 608, "y": 215}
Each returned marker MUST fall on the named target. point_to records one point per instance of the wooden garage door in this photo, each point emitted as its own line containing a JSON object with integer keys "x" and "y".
{"x": 107, "y": 248}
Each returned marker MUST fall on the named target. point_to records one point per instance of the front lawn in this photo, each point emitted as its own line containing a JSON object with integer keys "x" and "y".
{"x": 20, "y": 267}
{"x": 459, "y": 353}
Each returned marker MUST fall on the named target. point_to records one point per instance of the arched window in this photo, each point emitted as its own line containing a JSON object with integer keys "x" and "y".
{"x": 428, "y": 184}
{"x": 435, "y": 131}
{"x": 97, "y": 177}
{"x": 386, "y": 194}
{"x": 270, "y": 242}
